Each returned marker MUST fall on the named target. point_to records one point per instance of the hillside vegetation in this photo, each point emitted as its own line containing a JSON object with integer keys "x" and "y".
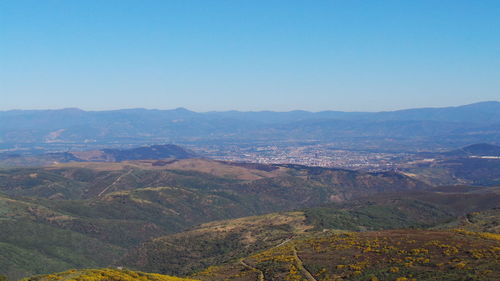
{"x": 485, "y": 221}
{"x": 215, "y": 243}
{"x": 147, "y": 214}
{"x": 400, "y": 255}
{"x": 60, "y": 216}
{"x": 32, "y": 243}
{"x": 93, "y": 180}
{"x": 218, "y": 242}
{"x": 104, "y": 274}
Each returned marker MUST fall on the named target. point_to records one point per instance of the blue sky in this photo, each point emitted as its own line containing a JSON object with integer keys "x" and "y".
{"x": 248, "y": 55}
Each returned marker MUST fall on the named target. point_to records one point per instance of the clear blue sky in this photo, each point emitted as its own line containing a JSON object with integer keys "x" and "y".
{"x": 248, "y": 55}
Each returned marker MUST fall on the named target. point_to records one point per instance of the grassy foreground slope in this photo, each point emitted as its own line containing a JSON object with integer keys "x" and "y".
{"x": 400, "y": 255}
{"x": 218, "y": 242}
{"x": 104, "y": 274}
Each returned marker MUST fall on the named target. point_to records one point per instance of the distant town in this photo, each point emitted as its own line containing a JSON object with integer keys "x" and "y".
{"x": 321, "y": 155}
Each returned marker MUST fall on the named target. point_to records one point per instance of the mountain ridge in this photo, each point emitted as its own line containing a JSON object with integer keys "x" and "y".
{"x": 491, "y": 103}
{"x": 68, "y": 129}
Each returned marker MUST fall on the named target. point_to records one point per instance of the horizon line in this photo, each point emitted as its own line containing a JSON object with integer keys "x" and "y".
{"x": 242, "y": 111}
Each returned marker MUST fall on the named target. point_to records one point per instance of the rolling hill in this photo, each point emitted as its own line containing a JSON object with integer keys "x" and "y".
{"x": 478, "y": 149}
{"x": 146, "y": 214}
{"x": 153, "y": 152}
{"x": 111, "y": 207}
{"x": 91, "y": 180}
{"x": 220, "y": 242}
{"x": 477, "y": 164}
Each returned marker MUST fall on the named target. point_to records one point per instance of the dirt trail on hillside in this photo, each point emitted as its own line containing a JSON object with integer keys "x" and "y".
{"x": 114, "y": 182}
{"x": 259, "y": 272}
{"x": 301, "y": 267}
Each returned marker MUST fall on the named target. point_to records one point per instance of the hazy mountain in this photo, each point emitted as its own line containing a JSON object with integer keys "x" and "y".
{"x": 449, "y": 126}
{"x": 482, "y": 112}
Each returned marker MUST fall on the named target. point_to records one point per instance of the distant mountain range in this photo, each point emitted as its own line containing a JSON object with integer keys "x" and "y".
{"x": 410, "y": 129}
